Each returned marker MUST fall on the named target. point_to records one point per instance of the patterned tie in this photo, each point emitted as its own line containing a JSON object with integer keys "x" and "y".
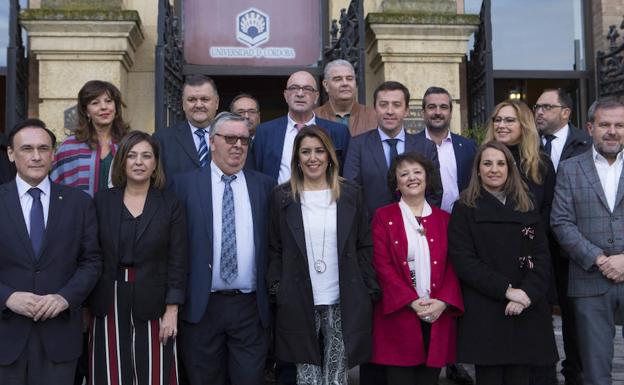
{"x": 548, "y": 146}
{"x": 393, "y": 149}
{"x": 202, "y": 152}
{"x": 37, "y": 223}
{"x": 229, "y": 267}
{"x": 299, "y": 126}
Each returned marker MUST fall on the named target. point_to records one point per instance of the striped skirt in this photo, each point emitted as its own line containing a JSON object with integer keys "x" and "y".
{"x": 127, "y": 351}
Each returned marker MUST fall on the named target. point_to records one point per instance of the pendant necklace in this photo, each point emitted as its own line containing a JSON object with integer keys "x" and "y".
{"x": 319, "y": 265}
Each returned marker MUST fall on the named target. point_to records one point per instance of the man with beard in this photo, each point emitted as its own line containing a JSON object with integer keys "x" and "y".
{"x": 185, "y": 147}
{"x": 561, "y": 140}
{"x": 339, "y": 83}
{"x": 588, "y": 219}
{"x": 455, "y": 152}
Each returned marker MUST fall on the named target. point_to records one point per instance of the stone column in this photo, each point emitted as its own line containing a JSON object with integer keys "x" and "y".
{"x": 73, "y": 43}
{"x": 419, "y": 43}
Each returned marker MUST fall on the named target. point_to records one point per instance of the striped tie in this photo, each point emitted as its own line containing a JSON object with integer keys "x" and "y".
{"x": 202, "y": 152}
{"x": 229, "y": 266}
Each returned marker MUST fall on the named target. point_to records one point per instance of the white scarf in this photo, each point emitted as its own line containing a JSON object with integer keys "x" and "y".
{"x": 418, "y": 257}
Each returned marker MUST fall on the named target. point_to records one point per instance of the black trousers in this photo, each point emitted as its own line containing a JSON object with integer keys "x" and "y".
{"x": 33, "y": 367}
{"x": 571, "y": 365}
{"x": 502, "y": 374}
{"x": 415, "y": 375}
{"x": 228, "y": 342}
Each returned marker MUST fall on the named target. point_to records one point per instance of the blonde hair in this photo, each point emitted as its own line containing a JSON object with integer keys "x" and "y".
{"x": 331, "y": 174}
{"x": 530, "y": 158}
{"x": 514, "y": 188}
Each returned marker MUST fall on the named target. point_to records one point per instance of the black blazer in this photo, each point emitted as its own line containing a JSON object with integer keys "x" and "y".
{"x": 577, "y": 143}
{"x": 295, "y": 333}
{"x": 68, "y": 264}
{"x": 160, "y": 257}
{"x": 177, "y": 149}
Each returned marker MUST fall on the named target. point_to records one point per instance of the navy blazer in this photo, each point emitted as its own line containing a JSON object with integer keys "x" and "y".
{"x": 68, "y": 264}
{"x": 269, "y": 143}
{"x": 194, "y": 190}
{"x": 366, "y": 165}
{"x": 178, "y": 153}
{"x": 465, "y": 150}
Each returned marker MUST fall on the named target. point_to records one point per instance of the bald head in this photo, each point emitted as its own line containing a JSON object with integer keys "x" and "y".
{"x": 301, "y": 94}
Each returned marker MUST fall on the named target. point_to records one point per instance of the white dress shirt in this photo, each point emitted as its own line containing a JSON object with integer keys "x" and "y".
{"x": 26, "y": 200}
{"x": 289, "y": 142}
{"x": 196, "y": 138}
{"x": 609, "y": 175}
{"x": 448, "y": 171}
{"x": 386, "y": 146}
{"x": 557, "y": 144}
{"x": 245, "y": 250}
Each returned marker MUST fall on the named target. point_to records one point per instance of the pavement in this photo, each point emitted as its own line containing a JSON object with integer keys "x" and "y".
{"x": 618, "y": 359}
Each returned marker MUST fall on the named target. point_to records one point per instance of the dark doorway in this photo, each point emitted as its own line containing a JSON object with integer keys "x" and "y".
{"x": 269, "y": 90}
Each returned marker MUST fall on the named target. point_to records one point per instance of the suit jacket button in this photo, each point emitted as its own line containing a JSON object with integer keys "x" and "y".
{"x": 405, "y": 263}
{"x": 610, "y": 240}
{"x": 396, "y": 242}
{"x": 209, "y": 267}
{"x": 435, "y": 262}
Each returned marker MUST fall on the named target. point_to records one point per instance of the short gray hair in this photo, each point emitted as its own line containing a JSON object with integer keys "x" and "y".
{"x": 224, "y": 117}
{"x": 337, "y": 63}
{"x": 603, "y": 103}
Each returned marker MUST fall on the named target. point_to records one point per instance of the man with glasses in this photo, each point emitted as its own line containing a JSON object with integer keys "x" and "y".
{"x": 339, "y": 83}
{"x": 225, "y": 318}
{"x": 185, "y": 146}
{"x": 248, "y": 107}
{"x": 561, "y": 141}
{"x": 274, "y": 140}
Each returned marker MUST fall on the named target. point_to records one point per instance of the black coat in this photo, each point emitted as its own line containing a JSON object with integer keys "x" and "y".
{"x": 7, "y": 168}
{"x": 485, "y": 246}
{"x": 295, "y": 335}
{"x": 160, "y": 253}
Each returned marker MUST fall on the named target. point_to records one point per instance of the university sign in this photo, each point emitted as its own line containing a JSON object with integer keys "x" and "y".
{"x": 252, "y": 33}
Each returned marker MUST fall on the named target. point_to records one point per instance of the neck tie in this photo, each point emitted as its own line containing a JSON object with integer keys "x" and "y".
{"x": 393, "y": 149}
{"x": 299, "y": 126}
{"x": 548, "y": 146}
{"x": 229, "y": 267}
{"x": 202, "y": 151}
{"x": 37, "y": 223}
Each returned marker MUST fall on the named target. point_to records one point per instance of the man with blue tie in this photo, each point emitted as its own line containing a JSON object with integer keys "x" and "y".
{"x": 223, "y": 333}
{"x": 273, "y": 143}
{"x": 49, "y": 262}
{"x": 185, "y": 146}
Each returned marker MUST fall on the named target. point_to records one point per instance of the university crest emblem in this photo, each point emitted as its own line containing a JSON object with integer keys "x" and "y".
{"x": 252, "y": 27}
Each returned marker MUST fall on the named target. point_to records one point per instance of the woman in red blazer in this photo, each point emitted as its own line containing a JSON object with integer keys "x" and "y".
{"x": 414, "y": 323}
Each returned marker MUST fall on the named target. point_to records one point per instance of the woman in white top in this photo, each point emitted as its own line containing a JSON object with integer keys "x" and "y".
{"x": 320, "y": 271}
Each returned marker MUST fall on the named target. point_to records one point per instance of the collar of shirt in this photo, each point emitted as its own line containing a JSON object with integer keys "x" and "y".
{"x": 291, "y": 122}
{"x": 23, "y": 187}
{"x": 384, "y": 136}
{"x": 562, "y": 133}
{"x": 193, "y": 128}
{"x": 601, "y": 160}
{"x": 217, "y": 173}
{"x": 448, "y": 137}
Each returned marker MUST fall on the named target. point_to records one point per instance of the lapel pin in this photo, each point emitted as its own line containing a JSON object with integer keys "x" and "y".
{"x": 60, "y": 197}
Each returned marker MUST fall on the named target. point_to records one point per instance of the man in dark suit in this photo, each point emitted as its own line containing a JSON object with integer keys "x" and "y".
{"x": 185, "y": 146}
{"x": 371, "y": 153}
{"x": 226, "y": 314}
{"x": 49, "y": 262}
{"x": 588, "y": 219}
{"x": 272, "y": 148}
{"x": 561, "y": 141}
{"x": 455, "y": 154}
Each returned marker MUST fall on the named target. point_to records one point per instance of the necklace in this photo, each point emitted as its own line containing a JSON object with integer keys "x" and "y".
{"x": 319, "y": 264}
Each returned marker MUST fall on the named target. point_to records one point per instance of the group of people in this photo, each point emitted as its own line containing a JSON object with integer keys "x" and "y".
{"x": 330, "y": 237}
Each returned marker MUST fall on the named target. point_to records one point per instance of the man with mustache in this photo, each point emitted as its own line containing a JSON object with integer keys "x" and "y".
{"x": 339, "y": 83}
{"x": 561, "y": 141}
{"x": 185, "y": 146}
{"x": 588, "y": 219}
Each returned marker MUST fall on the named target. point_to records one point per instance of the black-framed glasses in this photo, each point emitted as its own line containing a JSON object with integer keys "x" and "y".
{"x": 546, "y": 107}
{"x": 308, "y": 90}
{"x": 505, "y": 120}
{"x": 232, "y": 139}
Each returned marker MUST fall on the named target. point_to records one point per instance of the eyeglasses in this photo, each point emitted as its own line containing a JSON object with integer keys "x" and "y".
{"x": 308, "y": 90}
{"x": 248, "y": 112}
{"x": 506, "y": 121}
{"x": 231, "y": 139}
{"x": 546, "y": 107}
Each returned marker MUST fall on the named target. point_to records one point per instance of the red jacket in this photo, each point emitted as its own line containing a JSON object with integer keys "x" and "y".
{"x": 397, "y": 336}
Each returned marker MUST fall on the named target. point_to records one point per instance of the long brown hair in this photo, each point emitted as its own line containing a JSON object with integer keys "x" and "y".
{"x": 331, "y": 174}
{"x": 514, "y": 188}
{"x": 530, "y": 159}
{"x": 119, "y": 177}
{"x": 85, "y": 131}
